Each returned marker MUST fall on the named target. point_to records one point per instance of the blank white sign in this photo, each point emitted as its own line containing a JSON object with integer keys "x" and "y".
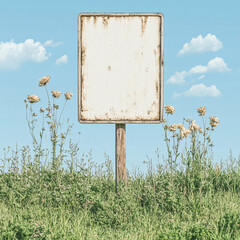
{"x": 120, "y": 68}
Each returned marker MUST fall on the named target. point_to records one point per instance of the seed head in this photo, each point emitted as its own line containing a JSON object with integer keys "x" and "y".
{"x": 201, "y": 111}
{"x": 56, "y": 94}
{"x": 169, "y": 109}
{"x": 43, "y": 81}
{"x": 41, "y": 110}
{"x": 68, "y": 95}
{"x": 49, "y": 115}
{"x": 34, "y": 114}
{"x": 200, "y": 130}
{"x": 33, "y": 98}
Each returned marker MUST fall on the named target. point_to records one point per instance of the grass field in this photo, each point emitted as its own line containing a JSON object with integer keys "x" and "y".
{"x": 52, "y": 192}
{"x": 196, "y": 202}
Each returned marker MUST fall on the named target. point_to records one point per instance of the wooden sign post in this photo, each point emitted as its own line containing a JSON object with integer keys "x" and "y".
{"x": 120, "y": 154}
{"x": 120, "y": 73}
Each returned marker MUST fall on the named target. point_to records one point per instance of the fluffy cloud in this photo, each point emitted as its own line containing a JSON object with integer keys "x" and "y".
{"x": 63, "y": 59}
{"x": 13, "y": 55}
{"x": 178, "y": 78}
{"x": 215, "y": 65}
{"x": 209, "y": 43}
{"x": 51, "y": 43}
{"x": 200, "y": 90}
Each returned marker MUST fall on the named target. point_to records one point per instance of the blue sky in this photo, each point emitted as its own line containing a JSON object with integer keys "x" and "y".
{"x": 201, "y": 68}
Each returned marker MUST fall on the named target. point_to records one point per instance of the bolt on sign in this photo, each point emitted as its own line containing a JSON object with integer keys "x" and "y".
{"x": 120, "y": 68}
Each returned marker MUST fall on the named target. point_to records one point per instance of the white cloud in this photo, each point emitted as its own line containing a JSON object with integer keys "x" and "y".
{"x": 201, "y": 77}
{"x": 215, "y": 65}
{"x": 51, "y": 43}
{"x": 13, "y": 55}
{"x": 178, "y": 78}
{"x": 209, "y": 43}
{"x": 63, "y": 59}
{"x": 200, "y": 90}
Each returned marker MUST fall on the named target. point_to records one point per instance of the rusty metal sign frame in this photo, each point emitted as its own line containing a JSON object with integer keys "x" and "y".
{"x": 161, "y": 63}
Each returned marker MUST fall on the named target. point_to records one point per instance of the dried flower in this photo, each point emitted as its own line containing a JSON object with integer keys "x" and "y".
{"x": 188, "y": 120}
{"x": 26, "y": 105}
{"x": 48, "y": 109}
{"x": 173, "y": 127}
{"x": 201, "y": 111}
{"x": 68, "y": 95}
{"x": 180, "y": 126}
{"x": 34, "y": 114}
{"x": 49, "y": 115}
{"x": 193, "y": 126}
{"x": 41, "y": 110}
{"x": 213, "y": 121}
{"x": 43, "y": 81}
{"x": 55, "y": 106}
{"x": 33, "y": 98}
{"x": 184, "y": 133}
{"x": 56, "y": 94}
{"x": 169, "y": 109}
{"x": 25, "y": 100}
{"x": 213, "y": 124}
{"x": 200, "y": 130}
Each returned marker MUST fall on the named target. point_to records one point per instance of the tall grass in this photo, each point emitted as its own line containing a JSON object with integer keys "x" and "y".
{"x": 69, "y": 196}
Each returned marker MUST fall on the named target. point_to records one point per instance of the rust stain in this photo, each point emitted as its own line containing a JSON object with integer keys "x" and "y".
{"x": 143, "y": 23}
{"x": 94, "y": 20}
{"x": 149, "y": 112}
{"x": 105, "y": 21}
{"x": 109, "y": 68}
{"x": 156, "y": 87}
{"x": 82, "y": 96}
{"x": 83, "y": 55}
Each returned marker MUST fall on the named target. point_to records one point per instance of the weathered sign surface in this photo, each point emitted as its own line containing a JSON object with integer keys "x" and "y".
{"x": 120, "y": 67}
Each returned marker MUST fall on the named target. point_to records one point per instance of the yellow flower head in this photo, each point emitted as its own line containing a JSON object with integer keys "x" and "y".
{"x": 169, "y": 109}
{"x": 68, "y": 95}
{"x": 201, "y": 111}
{"x": 43, "y": 81}
{"x": 56, "y": 94}
{"x": 33, "y": 98}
